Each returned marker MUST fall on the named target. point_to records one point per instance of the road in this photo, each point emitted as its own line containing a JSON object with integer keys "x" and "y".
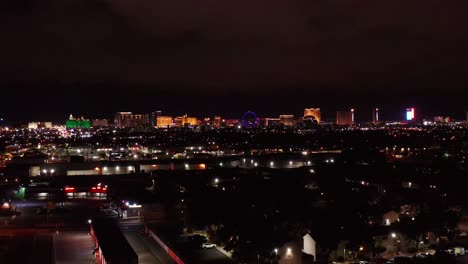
{"x": 208, "y": 256}
{"x": 200, "y": 255}
{"x": 147, "y": 250}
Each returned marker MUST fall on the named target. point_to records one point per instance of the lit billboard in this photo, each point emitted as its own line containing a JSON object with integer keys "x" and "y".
{"x": 410, "y": 114}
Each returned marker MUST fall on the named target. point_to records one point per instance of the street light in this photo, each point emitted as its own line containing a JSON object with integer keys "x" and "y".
{"x": 89, "y": 221}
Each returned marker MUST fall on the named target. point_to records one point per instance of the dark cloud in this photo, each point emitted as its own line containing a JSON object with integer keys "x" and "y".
{"x": 220, "y": 46}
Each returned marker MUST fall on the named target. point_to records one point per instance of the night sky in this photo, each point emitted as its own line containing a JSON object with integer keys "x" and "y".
{"x": 96, "y": 57}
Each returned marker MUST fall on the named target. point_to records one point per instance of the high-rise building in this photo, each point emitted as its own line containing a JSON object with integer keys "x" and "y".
{"x": 231, "y": 122}
{"x": 36, "y": 125}
{"x": 154, "y": 116}
{"x": 272, "y": 122}
{"x": 441, "y": 119}
{"x": 287, "y": 120}
{"x": 100, "y": 122}
{"x": 314, "y": 112}
{"x": 344, "y": 117}
{"x": 206, "y": 122}
{"x": 410, "y": 114}
{"x": 185, "y": 120}
{"x": 120, "y": 117}
{"x": 179, "y": 121}
{"x": 77, "y": 122}
{"x": 217, "y": 122}
{"x": 141, "y": 120}
{"x": 352, "y": 116}
{"x": 33, "y": 125}
{"x": 375, "y": 116}
{"x": 191, "y": 121}
{"x": 127, "y": 119}
{"x": 164, "y": 121}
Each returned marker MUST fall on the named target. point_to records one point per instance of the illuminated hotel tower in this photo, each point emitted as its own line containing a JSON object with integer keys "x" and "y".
{"x": 314, "y": 112}
{"x": 410, "y": 114}
{"x": 375, "y": 116}
{"x": 352, "y": 115}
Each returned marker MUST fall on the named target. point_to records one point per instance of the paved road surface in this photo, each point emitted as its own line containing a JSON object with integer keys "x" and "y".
{"x": 73, "y": 247}
{"x": 147, "y": 250}
{"x": 206, "y": 256}
{"x": 462, "y": 260}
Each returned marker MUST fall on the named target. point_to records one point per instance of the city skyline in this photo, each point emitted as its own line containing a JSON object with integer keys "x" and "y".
{"x": 41, "y": 106}
{"x": 234, "y": 132}
{"x": 310, "y": 117}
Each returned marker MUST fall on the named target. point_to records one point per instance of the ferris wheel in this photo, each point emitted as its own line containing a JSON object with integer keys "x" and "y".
{"x": 249, "y": 119}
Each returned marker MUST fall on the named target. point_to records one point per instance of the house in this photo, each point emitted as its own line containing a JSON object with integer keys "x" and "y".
{"x": 290, "y": 253}
{"x": 390, "y": 218}
{"x": 298, "y": 253}
{"x": 310, "y": 246}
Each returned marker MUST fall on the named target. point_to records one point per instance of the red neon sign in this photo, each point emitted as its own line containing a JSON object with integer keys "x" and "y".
{"x": 69, "y": 189}
{"x": 98, "y": 189}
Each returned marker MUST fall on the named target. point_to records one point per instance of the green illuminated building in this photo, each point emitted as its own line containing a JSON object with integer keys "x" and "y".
{"x": 77, "y": 123}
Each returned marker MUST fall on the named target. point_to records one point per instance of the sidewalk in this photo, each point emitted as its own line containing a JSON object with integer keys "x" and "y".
{"x": 203, "y": 233}
{"x": 227, "y": 254}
